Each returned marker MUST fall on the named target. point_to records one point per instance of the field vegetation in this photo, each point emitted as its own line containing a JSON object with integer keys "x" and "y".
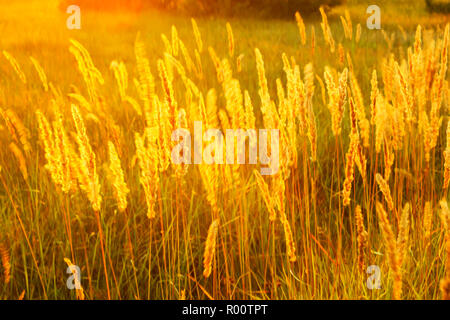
{"x": 86, "y": 178}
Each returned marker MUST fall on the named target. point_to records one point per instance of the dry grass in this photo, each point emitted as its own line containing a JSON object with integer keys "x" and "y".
{"x": 87, "y": 178}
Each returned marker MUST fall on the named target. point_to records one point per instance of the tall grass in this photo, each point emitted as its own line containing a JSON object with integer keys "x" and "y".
{"x": 88, "y": 179}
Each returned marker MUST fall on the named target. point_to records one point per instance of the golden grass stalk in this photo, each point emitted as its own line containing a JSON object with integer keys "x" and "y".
{"x": 148, "y": 163}
{"x": 322, "y": 89}
{"x": 91, "y": 75}
{"x": 264, "y": 93}
{"x": 20, "y": 158}
{"x": 312, "y": 131}
{"x": 230, "y": 40}
{"x": 4, "y": 255}
{"x": 210, "y": 248}
{"x": 187, "y": 57}
{"x": 363, "y": 123}
{"x": 81, "y": 101}
{"x": 427, "y": 223}
{"x": 361, "y": 237}
{"x": 350, "y": 64}
{"x": 134, "y": 104}
{"x": 289, "y": 239}
{"x": 403, "y": 234}
{"x": 168, "y": 93}
{"x": 361, "y": 161}
{"x": 233, "y": 96}
{"x": 239, "y": 60}
{"x": 402, "y": 31}
{"x": 41, "y": 73}
{"x": 217, "y": 63}
{"x": 337, "y": 93}
{"x": 120, "y": 187}
{"x": 349, "y": 23}
{"x": 88, "y": 178}
{"x": 431, "y": 132}
{"x": 121, "y": 75}
{"x": 358, "y": 33}
{"x": 350, "y": 157}
{"x": 389, "y": 158}
{"x": 198, "y": 60}
{"x": 380, "y": 121}
{"x": 268, "y": 198}
{"x": 16, "y": 128}
{"x": 309, "y": 81}
{"x": 21, "y": 296}
{"x": 345, "y": 27}
{"x": 46, "y": 136}
{"x": 175, "y": 42}
{"x": 250, "y": 119}
{"x": 301, "y": 27}
{"x": 343, "y": 80}
{"x": 16, "y": 67}
{"x": 167, "y": 44}
{"x": 384, "y": 187}
{"x": 341, "y": 54}
{"x": 146, "y": 80}
{"x": 62, "y": 161}
{"x": 326, "y": 30}
{"x": 181, "y": 169}
{"x": 197, "y": 35}
{"x": 211, "y": 109}
{"x": 373, "y": 97}
{"x": 9, "y": 125}
{"x": 392, "y": 253}
{"x": 447, "y": 158}
{"x": 210, "y": 178}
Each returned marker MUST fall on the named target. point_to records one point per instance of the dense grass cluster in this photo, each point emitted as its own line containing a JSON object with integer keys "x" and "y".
{"x": 86, "y": 176}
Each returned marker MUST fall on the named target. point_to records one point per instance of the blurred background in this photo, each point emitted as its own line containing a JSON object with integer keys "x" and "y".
{"x": 278, "y": 8}
{"x": 109, "y": 28}
{"x": 272, "y": 8}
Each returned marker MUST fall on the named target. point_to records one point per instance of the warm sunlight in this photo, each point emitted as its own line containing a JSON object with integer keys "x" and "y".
{"x": 224, "y": 150}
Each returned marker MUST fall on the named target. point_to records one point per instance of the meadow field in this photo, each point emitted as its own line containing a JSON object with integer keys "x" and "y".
{"x": 93, "y": 207}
